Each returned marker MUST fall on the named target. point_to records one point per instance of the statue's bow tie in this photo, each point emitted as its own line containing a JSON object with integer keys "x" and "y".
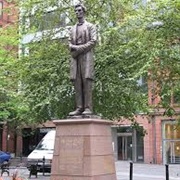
{"x": 80, "y": 23}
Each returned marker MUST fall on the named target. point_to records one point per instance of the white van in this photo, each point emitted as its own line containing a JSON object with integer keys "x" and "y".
{"x": 43, "y": 151}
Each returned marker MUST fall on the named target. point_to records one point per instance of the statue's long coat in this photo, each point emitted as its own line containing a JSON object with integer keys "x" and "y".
{"x": 89, "y": 38}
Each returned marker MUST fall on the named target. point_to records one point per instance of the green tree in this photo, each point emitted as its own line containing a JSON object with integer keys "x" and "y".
{"x": 134, "y": 38}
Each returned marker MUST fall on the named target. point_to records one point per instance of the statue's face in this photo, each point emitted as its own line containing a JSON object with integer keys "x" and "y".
{"x": 79, "y": 12}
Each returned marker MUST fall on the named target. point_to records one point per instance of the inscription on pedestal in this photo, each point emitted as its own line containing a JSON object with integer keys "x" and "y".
{"x": 71, "y": 155}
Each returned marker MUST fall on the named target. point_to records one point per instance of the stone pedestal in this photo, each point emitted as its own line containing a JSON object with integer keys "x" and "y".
{"x": 83, "y": 150}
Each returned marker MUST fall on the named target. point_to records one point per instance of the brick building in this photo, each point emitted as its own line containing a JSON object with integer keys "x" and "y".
{"x": 157, "y": 138}
{"x": 8, "y": 13}
{"x": 160, "y": 144}
{"x": 8, "y": 16}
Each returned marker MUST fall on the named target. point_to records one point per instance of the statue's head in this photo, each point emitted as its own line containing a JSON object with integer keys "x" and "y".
{"x": 80, "y": 10}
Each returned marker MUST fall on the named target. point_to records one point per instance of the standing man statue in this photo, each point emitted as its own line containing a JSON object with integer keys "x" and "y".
{"x": 83, "y": 37}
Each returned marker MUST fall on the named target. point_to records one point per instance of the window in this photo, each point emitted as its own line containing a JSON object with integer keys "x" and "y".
{"x": 176, "y": 97}
{"x": 1, "y": 8}
{"x": 171, "y": 142}
{"x": 171, "y": 93}
{"x": 49, "y": 20}
{"x": 171, "y": 130}
{"x": 142, "y": 83}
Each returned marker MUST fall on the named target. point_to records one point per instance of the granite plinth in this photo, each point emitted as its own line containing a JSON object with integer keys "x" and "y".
{"x": 83, "y": 150}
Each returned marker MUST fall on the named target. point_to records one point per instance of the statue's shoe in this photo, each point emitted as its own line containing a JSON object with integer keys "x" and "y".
{"x": 76, "y": 112}
{"x": 87, "y": 111}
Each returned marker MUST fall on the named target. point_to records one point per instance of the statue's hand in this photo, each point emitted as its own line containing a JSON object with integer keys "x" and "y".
{"x": 72, "y": 47}
{"x": 74, "y": 54}
{"x": 75, "y": 48}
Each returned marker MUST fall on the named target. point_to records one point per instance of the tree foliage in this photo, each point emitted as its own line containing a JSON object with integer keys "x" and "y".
{"x": 135, "y": 38}
{"x": 9, "y": 38}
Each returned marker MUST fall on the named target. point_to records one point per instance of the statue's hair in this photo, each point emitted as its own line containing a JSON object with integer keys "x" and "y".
{"x": 80, "y": 5}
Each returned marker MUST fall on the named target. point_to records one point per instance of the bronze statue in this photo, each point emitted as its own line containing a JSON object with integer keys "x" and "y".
{"x": 82, "y": 39}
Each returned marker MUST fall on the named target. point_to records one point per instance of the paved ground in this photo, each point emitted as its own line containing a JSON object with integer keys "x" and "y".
{"x": 146, "y": 171}
{"x": 140, "y": 172}
{"x": 24, "y": 174}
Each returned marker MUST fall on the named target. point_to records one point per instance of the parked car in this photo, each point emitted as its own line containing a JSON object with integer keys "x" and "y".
{"x": 4, "y": 157}
{"x": 43, "y": 152}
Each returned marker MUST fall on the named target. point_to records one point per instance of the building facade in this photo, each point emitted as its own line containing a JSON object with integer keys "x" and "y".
{"x": 159, "y": 143}
{"x": 156, "y": 139}
{"x": 9, "y": 141}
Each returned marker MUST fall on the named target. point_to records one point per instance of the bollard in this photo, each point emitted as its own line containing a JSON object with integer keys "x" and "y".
{"x": 21, "y": 157}
{"x": 131, "y": 171}
{"x": 33, "y": 170}
{"x": 43, "y": 161}
{"x": 167, "y": 171}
